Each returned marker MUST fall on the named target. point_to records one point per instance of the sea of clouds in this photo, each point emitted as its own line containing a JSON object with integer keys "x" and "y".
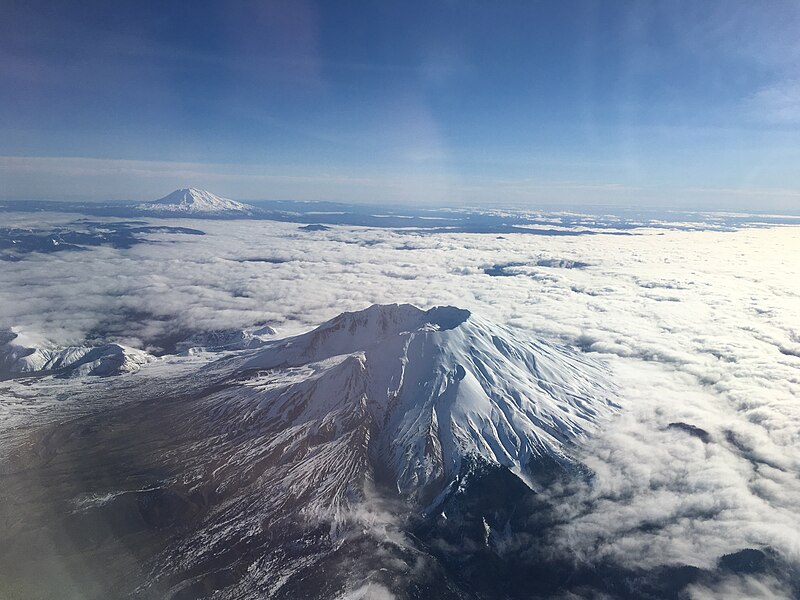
{"x": 701, "y": 328}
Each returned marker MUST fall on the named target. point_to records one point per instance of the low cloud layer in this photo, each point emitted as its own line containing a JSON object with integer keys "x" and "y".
{"x": 700, "y": 328}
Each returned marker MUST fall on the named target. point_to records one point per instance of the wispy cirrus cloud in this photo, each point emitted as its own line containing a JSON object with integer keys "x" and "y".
{"x": 778, "y": 103}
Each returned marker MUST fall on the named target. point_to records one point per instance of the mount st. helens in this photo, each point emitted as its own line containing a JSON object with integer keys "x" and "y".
{"x": 421, "y": 390}
{"x": 263, "y": 470}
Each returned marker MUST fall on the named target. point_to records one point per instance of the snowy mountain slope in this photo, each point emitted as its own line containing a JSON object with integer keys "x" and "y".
{"x": 26, "y": 354}
{"x": 248, "y": 476}
{"x": 226, "y": 340}
{"x": 286, "y": 439}
{"x": 436, "y": 386}
{"x": 196, "y": 202}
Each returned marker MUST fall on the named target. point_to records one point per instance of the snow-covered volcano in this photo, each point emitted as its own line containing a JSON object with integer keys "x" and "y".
{"x": 407, "y": 394}
{"x": 257, "y": 475}
{"x": 196, "y": 202}
{"x": 296, "y": 436}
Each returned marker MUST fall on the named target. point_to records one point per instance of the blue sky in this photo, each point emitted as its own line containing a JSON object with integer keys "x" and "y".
{"x": 690, "y": 104}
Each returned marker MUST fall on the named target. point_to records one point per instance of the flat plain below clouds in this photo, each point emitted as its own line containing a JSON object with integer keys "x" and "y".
{"x": 701, "y": 328}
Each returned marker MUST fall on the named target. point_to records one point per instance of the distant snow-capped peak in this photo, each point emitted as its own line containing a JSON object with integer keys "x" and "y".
{"x": 192, "y": 200}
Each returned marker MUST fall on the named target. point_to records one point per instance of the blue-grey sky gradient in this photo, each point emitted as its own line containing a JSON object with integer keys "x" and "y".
{"x": 690, "y": 104}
